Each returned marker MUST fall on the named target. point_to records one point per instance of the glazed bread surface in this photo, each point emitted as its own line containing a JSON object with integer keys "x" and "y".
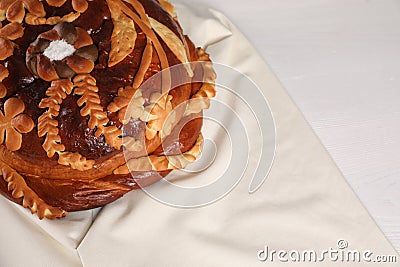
{"x": 78, "y": 128}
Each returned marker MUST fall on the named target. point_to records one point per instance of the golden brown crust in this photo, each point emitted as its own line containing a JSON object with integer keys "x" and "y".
{"x": 123, "y": 37}
{"x": 80, "y": 5}
{"x": 162, "y": 163}
{"x": 48, "y": 127}
{"x": 3, "y": 74}
{"x": 8, "y": 33}
{"x": 166, "y": 4}
{"x": 37, "y": 20}
{"x": 85, "y": 86}
{"x": 80, "y": 62}
{"x": 173, "y": 42}
{"x": 13, "y": 124}
{"x": 15, "y": 10}
{"x": 62, "y": 122}
{"x": 19, "y": 189}
{"x": 201, "y": 99}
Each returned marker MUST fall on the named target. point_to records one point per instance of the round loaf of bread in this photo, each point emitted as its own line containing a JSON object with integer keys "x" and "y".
{"x": 77, "y": 128}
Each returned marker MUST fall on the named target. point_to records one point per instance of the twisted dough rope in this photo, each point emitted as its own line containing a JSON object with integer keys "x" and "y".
{"x": 125, "y": 95}
{"x": 19, "y": 189}
{"x": 88, "y": 90}
{"x": 166, "y": 4}
{"x": 38, "y": 17}
{"x": 80, "y": 61}
{"x": 199, "y": 101}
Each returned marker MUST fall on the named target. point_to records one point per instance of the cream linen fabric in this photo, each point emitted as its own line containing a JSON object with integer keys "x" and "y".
{"x": 305, "y": 202}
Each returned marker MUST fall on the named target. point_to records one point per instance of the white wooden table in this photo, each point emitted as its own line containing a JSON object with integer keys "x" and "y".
{"x": 340, "y": 62}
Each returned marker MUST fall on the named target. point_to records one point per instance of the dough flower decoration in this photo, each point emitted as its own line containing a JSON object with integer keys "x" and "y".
{"x": 13, "y": 123}
{"x": 14, "y": 11}
{"x": 61, "y": 53}
{"x": 76, "y": 114}
{"x": 159, "y": 116}
{"x": 128, "y": 96}
{"x": 8, "y": 33}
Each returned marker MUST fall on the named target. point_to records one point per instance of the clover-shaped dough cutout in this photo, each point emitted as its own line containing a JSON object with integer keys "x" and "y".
{"x": 13, "y": 124}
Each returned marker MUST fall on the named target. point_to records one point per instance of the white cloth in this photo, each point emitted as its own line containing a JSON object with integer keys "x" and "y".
{"x": 305, "y": 202}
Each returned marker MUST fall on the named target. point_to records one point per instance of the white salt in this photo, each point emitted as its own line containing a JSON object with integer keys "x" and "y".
{"x": 58, "y": 50}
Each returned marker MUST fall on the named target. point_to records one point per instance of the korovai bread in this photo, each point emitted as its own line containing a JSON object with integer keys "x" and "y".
{"x": 77, "y": 127}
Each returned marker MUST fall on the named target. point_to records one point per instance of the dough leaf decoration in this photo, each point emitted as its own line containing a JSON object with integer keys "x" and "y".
{"x": 48, "y": 127}
{"x": 15, "y": 10}
{"x": 8, "y": 33}
{"x": 19, "y": 189}
{"x": 123, "y": 37}
{"x": 89, "y": 102}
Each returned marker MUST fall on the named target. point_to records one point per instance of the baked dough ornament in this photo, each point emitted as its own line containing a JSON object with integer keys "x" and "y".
{"x": 70, "y": 81}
